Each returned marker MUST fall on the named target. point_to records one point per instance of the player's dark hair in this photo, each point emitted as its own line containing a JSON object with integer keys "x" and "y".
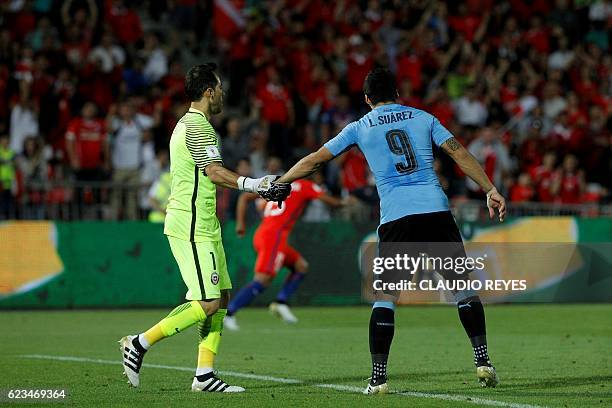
{"x": 198, "y": 79}
{"x": 380, "y": 86}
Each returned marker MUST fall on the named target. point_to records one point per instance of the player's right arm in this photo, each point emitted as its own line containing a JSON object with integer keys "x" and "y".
{"x": 224, "y": 177}
{"x": 470, "y": 166}
{"x": 205, "y": 153}
{"x": 221, "y": 176}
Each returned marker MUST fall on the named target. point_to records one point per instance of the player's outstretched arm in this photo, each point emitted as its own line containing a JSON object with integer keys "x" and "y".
{"x": 470, "y": 166}
{"x": 307, "y": 165}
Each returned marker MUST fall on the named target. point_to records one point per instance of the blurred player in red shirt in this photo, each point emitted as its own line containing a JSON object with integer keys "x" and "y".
{"x": 273, "y": 250}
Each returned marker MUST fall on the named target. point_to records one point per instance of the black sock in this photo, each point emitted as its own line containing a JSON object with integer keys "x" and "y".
{"x": 472, "y": 317}
{"x": 382, "y": 326}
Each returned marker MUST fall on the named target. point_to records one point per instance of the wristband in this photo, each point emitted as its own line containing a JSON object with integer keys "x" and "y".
{"x": 247, "y": 184}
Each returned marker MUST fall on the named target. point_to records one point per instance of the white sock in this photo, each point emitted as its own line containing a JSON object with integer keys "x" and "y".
{"x": 143, "y": 342}
{"x": 203, "y": 370}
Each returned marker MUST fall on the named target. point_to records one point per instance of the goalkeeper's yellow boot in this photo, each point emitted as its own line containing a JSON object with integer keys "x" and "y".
{"x": 378, "y": 386}
{"x": 487, "y": 377}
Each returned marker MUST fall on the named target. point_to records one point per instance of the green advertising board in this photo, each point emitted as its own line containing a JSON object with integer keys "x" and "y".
{"x": 129, "y": 264}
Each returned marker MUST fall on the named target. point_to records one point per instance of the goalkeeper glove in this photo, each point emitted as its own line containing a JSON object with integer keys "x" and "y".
{"x": 265, "y": 187}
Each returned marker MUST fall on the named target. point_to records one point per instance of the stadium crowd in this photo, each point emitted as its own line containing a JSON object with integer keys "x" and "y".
{"x": 90, "y": 91}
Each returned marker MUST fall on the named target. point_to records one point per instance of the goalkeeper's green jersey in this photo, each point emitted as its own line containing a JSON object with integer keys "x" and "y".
{"x": 191, "y": 211}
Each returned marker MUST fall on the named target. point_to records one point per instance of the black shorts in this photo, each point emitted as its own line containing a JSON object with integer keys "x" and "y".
{"x": 430, "y": 227}
{"x": 434, "y": 234}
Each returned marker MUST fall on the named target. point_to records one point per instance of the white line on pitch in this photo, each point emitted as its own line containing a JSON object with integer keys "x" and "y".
{"x": 337, "y": 387}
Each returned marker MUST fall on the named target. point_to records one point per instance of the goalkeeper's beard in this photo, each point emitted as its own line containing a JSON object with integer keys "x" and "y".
{"x": 216, "y": 107}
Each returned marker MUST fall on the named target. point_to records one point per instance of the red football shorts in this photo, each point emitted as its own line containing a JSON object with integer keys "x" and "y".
{"x": 273, "y": 252}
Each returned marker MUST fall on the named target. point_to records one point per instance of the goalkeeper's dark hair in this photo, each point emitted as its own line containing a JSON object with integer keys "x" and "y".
{"x": 380, "y": 86}
{"x": 198, "y": 79}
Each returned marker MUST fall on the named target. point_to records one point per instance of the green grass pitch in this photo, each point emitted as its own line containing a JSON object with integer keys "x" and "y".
{"x": 546, "y": 355}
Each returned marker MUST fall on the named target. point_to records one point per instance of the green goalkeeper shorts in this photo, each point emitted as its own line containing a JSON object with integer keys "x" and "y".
{"x": 203, "y": 267}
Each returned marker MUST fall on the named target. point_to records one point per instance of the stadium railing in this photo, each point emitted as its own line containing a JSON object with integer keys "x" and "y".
{"x": 94, "y": 201}
{"x": 473, "y": 210}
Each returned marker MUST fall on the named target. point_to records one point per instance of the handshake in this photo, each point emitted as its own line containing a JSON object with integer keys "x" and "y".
{"x": 266, "y": 187}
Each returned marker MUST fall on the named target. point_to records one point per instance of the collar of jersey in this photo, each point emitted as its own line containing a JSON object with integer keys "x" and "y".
{"x": 194, "y": 110}
{"x": 385, "y": 106}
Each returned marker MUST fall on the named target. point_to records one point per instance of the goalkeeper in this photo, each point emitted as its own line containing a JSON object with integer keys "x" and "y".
{"x": 194, "y": 232}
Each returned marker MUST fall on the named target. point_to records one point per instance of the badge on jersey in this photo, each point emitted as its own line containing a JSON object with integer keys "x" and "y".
{"x": 212, "y": 152}
{"x": 214, "y": 278}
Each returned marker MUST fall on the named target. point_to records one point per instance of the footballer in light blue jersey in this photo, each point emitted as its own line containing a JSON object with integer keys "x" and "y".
{"x": 397, "y": 143}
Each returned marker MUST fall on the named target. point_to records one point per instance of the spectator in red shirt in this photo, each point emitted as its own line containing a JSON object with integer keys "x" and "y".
{"x": 543, "y": 176}
{"x": 465, "y": 23}
{"x": 440, "y": 106}
{"x": 174, "y": 81}
{"x": 76, "y": 46}
{"x": 567, "y": 138}
{"x": 523, "y": 190}
{"x": 99, "y": 86}
{"x": 86, "y": 143}
{"x": 359, "y": 63}
{"x": 276, "y": 108}
{"x": 568, "y": 184}
{"x": 24, "y": 21}
{"x": 407, "y": 97}
{"x": 80, "y": 21}
{"x": 537, "y": 35}
{"x": 274, "y": 100}
{"x": 124, "y": 21}
{"x": 355, "y": 182}
{"x": 354, "y": 171}
{"x": 88, "y": 152}
{"x": 409, "y": 67}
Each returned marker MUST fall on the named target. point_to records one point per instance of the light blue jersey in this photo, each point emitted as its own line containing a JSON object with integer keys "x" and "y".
{"x": 397, "y": 143}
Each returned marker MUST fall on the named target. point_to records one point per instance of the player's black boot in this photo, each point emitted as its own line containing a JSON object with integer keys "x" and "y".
{"x": 377, "y": 385}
